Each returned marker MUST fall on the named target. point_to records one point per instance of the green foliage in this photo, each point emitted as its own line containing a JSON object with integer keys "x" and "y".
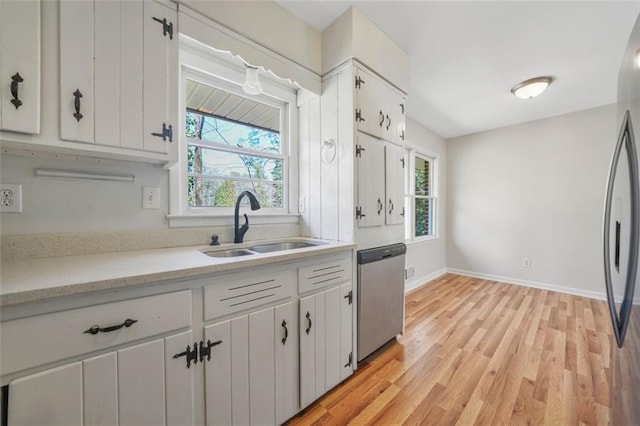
{"x": 225, "y": 194}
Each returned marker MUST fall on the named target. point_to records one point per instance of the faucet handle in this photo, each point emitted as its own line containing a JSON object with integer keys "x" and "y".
{"x": 214, "y": 240}
{"x": 246, "y": 221}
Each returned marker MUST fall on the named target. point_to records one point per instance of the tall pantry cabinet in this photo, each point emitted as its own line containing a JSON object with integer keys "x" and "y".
{"x": 357, "y": 163}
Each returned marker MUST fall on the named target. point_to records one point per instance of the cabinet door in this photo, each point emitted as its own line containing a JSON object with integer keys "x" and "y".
{"x": 141, "y": 398}
{"x": 179, "y": 380}
{"x": 307, "y": 351}
{"x": 370, "y": 104}
{"x": 370, "y": 169}
{"x": 400, "y": 120}
{"x": 20, "y": 66}
{"x": 100, "y": 386}
{"x": 286, "y": 362}
{"x": 76, "y": 71}
{"x": 160, "y": 76}
{"x": 394, "y": 184}
{"x": 346, "y": 330}
{"x": 218, "y": 375}
{"x": 131, "y": 57}
{"x": 52, "y": 397}
{"x": 333, "y": 337}
{"x": 262, "y": 367}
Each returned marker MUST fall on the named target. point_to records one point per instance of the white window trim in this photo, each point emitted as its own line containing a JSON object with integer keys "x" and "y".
{"x": 410, "y": 196}
{"x": 221, "y": 69}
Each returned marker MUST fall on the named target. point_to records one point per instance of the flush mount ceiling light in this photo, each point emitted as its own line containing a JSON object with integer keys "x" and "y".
{"x": 252, "y": 84}
{"x": 531, "y": 88}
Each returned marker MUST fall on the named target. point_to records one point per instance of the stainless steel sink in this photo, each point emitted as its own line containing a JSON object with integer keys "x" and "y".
{"x": 228, "y": 253}
{"x": 291, "y": 245}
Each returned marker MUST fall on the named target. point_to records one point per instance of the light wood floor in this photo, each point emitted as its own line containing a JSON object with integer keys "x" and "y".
{"x": 486, "y": 353}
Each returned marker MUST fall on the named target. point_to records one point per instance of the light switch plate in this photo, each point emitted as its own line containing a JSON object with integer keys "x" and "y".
{"x": 150, "y": 197}
{"x": 10, "y": 198}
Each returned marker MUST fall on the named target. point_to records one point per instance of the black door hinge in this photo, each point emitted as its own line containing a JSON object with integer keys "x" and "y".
{"x": 402, "y": 161}
{"x": 402, "y": 214}
{"x": 205, "y": 350}
{"x": 359, "y": 82}
{"x": 190, "y": 354}
{"x": 167, "y": 27}
{"x": 402, "y": 106}
{"x": 402, "y": 135}
{"x": 167, "y": 133}
{"x": 350, "y": 362}
{"x": 349, "y": 296}
{"x": 359, "y": 115}
{"x": 359, "y": 213}
{"x": 359, "y": 150}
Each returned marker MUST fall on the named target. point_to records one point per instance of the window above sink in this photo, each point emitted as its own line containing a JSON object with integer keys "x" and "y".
{"x": 231, "y": 141}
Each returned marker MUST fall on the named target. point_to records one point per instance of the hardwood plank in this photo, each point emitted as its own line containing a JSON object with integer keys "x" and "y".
{"x": 481, "y": 352}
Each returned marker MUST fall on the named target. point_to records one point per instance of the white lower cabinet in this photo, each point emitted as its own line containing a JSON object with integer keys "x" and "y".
{"x": 326, "y": 354}
{"x": 141, "y": 384}
{"x": 264, "y": 353}
{"x": 249, "y": 378}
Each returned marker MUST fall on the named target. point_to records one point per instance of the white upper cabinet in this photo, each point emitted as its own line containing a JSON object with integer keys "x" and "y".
{"x": 118, "y": 74}
{"x": 370, "y": 203}
{"x": 379, "y": 108}
{"x": 20, "y": 66}
{"x": 394, "y": 184}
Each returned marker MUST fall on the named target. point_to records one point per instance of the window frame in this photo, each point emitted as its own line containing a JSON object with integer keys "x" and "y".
{"x": 223, "y": 71}
{"x": 410, "y": 195}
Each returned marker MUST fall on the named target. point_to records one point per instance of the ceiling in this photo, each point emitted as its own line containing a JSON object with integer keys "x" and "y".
{"x": 466, "y": 56}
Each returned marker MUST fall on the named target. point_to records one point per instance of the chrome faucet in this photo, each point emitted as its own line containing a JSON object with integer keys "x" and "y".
{"x": 240, "y": 231}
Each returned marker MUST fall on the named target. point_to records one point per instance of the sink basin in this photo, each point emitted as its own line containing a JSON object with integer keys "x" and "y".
{"x": 228, "y": 253}
{"x": 267, "y": 248}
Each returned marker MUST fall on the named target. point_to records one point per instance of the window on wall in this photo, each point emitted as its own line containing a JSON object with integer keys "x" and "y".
{"x": 233, "y": 144}
{"x": 421, "y": 197}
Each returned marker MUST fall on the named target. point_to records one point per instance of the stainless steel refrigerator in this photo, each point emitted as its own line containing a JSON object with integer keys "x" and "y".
{"x": 622, "y": 243}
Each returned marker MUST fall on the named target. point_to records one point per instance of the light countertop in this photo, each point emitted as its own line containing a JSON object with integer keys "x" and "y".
{"x": 31, "y": 280}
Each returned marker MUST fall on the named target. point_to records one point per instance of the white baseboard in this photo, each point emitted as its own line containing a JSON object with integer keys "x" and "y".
{"x": 419, "y": 282}
{"x": 536, "y": 284}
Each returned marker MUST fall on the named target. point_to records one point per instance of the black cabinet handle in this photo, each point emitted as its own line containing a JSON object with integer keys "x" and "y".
{"x": 381, "y": 118}
{"x": 15, "y": 79}
{"x": 380, "y": 206}
{"x": 390, "y": 206}
{"x": 308, "y": 316}
{"x": 97, "y": 329}
{"x": 286, "y": 332}
{"x": 76, "y": 104}
{"x": 388, "y": 122}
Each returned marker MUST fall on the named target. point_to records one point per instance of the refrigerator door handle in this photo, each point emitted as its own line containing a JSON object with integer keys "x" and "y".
{"x": 625, "y": 140}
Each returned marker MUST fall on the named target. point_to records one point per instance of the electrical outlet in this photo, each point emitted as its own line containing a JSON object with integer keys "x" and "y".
{"x": 409, "y": 272}
{"x": 10, "y": 198}
{"x": 150, "y": 197}
{"x": 526, "y": 262}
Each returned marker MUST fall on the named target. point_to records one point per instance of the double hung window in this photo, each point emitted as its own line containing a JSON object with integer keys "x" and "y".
{"x": 421, "y": 197}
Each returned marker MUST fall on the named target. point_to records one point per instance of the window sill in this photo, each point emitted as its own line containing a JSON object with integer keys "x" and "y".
{"x": 421, "y": 241}
{"x": 186, "y": 221}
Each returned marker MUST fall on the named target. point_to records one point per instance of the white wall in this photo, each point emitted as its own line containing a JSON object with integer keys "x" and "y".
{"x": 428, "y": 257}
{"x": 63, "y": 205}
{"x": 532, "y": 190}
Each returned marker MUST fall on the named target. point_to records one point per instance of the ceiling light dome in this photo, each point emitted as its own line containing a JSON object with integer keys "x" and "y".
{"x": 531, "y": 88}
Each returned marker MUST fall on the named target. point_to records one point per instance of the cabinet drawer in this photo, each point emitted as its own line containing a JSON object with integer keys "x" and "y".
{"x": 38, "y": 340}
{"x": 234, "y": 296}
{"x": 323, "y": 274}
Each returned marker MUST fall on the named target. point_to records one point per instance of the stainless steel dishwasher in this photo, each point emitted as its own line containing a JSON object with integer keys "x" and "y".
{"x": 380, "y": 296}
